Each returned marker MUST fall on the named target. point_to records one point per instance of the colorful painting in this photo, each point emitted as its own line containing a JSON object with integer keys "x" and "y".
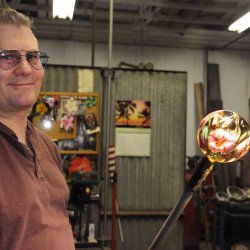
{"x": 70, "y": 119}
{"x": 136, "y": 113}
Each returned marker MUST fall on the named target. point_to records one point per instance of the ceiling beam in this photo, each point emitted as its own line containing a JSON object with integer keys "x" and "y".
{"x": 211, "y": 7}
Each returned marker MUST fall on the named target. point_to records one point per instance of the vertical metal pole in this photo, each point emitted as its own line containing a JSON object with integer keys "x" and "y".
{"x": 108, "y": 114}
{"x": 3, "y": 4}
{"x": 205, "y": 63}
{"x": 113, "y": 245}
{"x": 93, "y": 34}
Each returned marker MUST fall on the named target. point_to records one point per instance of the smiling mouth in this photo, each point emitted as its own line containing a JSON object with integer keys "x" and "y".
{"x": 21, "y": 84}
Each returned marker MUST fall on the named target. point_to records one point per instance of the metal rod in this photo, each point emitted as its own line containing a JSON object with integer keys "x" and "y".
{"x": 110, "y": 34}
{"x": 113, "y": 240}
{"x": 201, "y": 171}
{"x": 119, "y": 224}
{"x": 235, "y": 39}
{"x": 172, "y": 218}
{"x": 93, "y": 35}
{"x": 205, "y": 65}
{"x": 108, "y": 114}
{"x": 3, "y": 4}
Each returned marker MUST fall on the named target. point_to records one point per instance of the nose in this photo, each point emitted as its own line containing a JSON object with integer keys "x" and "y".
{"x": 23, "y": 67}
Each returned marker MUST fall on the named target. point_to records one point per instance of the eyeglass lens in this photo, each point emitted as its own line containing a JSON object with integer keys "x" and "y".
{"x": 10, "y": 58}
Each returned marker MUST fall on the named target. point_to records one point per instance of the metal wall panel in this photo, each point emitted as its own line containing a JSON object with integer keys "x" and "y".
{"x": 60, "y": 79}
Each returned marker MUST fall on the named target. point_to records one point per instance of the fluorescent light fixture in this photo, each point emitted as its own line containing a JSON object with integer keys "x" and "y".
{"x": 63, "y": 8}
{"x": 241, "y": 24}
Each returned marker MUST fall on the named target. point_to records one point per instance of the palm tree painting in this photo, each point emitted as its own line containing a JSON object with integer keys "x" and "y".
{"x": 134, "y": 113}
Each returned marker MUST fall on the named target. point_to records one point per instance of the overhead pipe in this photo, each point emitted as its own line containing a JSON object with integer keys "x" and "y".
{"x": 140, "y": 66}
{"x": 236, "y": 39}
{"x": 130, "y": 65}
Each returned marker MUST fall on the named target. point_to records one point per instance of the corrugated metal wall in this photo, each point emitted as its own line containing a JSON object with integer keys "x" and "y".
{"x": 155, "y": 181}
{"x": 147, "y": 186}
{"x": 60, "y": 79}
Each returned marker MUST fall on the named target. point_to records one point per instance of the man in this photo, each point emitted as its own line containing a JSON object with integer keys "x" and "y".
{"x": 33, "y": 192}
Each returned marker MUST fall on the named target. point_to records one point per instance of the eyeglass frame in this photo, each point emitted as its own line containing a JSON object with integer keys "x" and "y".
{"x": 28, "y": 53}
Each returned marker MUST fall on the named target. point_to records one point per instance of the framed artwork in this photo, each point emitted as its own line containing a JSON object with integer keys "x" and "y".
{"x": 69, "y": 119}
{"x": 133, "y": 113}
{"x": 133, "y": 128}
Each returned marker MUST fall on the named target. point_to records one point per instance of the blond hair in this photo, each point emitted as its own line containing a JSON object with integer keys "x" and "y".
{"x": 11, "y": 16}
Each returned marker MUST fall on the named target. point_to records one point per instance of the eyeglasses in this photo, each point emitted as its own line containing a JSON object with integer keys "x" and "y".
{"x": 10, "y": 58}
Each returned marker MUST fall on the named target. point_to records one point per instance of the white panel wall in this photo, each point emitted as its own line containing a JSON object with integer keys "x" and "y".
{"x": 234, "y": 71}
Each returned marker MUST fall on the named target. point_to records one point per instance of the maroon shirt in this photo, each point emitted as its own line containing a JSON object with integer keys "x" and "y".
{"x": 33, "y": 194}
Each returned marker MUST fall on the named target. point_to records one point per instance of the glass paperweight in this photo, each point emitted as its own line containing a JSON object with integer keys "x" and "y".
{"x": 223, "y": 136}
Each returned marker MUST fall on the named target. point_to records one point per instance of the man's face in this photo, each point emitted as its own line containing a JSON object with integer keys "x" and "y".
{"x": 20, "y": 85}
